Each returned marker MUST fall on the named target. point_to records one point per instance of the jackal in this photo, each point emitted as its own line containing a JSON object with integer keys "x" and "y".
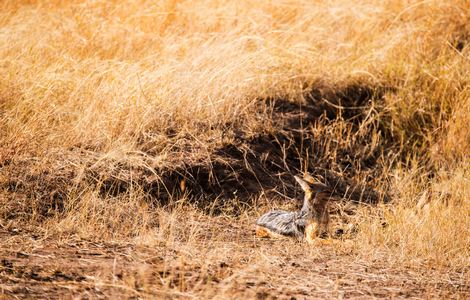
{"x": 309, "y": 223}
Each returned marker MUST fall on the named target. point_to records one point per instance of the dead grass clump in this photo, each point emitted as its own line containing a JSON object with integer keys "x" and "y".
{"x": 434, "y": 233}
{"x": 88, "y": 216}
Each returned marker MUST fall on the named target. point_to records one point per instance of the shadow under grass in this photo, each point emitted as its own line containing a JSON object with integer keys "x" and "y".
{"x": 299, "y": 139}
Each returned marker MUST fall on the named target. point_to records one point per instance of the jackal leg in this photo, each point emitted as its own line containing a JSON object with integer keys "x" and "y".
{"x": 313, "y": 238}
{"x": 311, "y": 233}
{"x": 263, "y": 232}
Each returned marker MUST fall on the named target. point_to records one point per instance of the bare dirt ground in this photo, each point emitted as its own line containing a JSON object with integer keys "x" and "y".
{"x": 229, "y": 263}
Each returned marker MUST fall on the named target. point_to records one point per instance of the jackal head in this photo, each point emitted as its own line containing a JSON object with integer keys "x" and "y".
{"x": 317, "y": 194}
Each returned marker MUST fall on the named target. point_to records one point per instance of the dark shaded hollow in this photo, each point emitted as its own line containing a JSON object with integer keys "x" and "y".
{"x": 243, "y": 169}
{"x": 268, "y": 162}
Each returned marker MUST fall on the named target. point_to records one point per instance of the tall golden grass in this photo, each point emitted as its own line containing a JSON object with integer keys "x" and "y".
{"x": 122, "y": 79}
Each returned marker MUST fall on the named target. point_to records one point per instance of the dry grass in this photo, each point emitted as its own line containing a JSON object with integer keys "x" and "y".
{"x": 435, "y": 234}
{"x": 105, "y": 107}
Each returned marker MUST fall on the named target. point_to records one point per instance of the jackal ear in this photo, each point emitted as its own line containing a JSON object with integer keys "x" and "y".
{"x": 309, "y": 178}
{"x": 303, "y": 184}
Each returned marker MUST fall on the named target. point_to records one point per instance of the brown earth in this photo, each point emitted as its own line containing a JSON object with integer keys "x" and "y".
{"x": 228, "y": 263}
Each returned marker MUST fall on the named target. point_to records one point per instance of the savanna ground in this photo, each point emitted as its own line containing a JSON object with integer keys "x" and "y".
{"x": 140, "y": 141}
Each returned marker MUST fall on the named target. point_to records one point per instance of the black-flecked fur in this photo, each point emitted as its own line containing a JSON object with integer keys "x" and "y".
{"x": 284, "y": 222}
